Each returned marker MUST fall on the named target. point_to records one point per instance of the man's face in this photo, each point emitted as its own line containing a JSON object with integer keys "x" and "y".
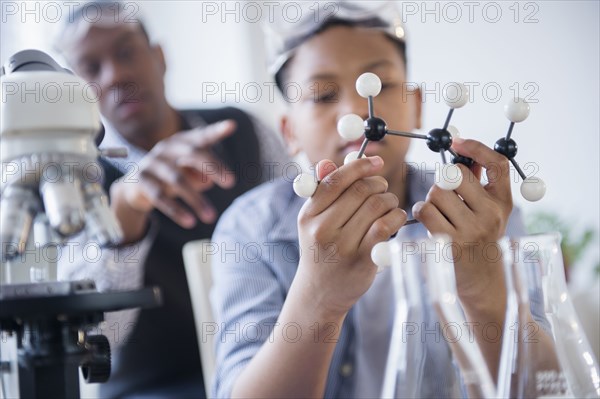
{"x": 326, "y": 68}
{"x": 128, "y": 71}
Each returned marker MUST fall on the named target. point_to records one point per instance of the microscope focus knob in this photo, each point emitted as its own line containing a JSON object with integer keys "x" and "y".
{"x": 97, "y": 367}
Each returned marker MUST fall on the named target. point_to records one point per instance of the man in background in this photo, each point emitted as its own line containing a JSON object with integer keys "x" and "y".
{"x": 183, "y": 170}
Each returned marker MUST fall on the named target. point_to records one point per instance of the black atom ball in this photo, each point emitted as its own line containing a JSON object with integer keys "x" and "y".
{"x": 375, "y": 129}
{"x": 508, "y": 148}
{"x": 468, "y": 162}
{"x": 439, "y": 140}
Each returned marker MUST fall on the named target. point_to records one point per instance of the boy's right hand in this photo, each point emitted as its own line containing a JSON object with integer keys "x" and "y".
{"x": 338, "y": 226}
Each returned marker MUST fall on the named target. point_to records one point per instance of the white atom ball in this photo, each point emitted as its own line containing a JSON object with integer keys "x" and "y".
{"x": 517, "y": 110}
{"x": 456, "y": 95}
{"x": 352, "y": 156}
{"x": 533, "y": 189}
{"x": 448, "y": 177}
{"x": 368, "y": 84}
{"x": 305, "y": 185}
{"x": 453, "y": 131}
{"x": 351, "y": 127}
{"x": 381, "y": 255}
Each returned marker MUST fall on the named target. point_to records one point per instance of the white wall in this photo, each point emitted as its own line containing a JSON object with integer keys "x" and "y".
{"x": 553, "y": 59}
{"x": 557, "y": 54}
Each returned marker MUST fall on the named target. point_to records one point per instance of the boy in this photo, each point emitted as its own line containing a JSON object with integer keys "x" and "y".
{"x": 303, "y": 313}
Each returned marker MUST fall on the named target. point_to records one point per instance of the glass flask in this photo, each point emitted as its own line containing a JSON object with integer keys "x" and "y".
{"x": 432, "y": 353}
{"x": 548, "y": 357}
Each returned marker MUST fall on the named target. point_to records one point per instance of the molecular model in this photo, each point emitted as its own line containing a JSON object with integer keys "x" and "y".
{"x": 533, "y": 188}
{"x": 449, "y": 177}
{"x": 351, "y": 127}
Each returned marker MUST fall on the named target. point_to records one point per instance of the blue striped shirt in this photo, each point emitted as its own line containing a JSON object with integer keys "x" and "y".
{"x": 258, "y": 253}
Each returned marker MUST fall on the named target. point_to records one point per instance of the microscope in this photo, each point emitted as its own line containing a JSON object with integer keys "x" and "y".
{"x": 51, "y": 191}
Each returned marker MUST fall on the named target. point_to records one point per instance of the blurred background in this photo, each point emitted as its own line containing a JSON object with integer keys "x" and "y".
{"x": 545, "y": 51}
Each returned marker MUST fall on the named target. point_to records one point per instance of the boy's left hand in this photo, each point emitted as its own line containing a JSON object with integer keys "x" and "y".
{"x": 475, "y": 217}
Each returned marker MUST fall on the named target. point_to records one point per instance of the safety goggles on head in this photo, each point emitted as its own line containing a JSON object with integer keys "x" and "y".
{"x": 287, "y": 30}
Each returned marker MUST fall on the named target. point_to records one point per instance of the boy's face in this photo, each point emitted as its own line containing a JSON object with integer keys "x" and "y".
{"x": 326, "y": 68}
{"x": 128, "y": 72}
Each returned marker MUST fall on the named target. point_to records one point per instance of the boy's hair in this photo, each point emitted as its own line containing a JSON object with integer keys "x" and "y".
{"x": 281, "y": 74}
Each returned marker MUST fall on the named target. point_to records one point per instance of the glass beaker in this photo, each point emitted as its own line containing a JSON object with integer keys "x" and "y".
{"x": 550, "y": 357}
{"x": 432, "y": 353}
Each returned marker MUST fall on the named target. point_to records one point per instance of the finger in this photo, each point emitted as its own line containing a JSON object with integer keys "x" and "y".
{"x": 451, "y": 206}
{"x": 196, "y": 181}
{"x": 173, "y": 183}
{"x": 324, "y": 168}
{"x": 383, "y": 228}
{"x": 165, "y": 174}
{"x": 496, "y": 166}
{"x": 154, "y": 195}
{"x": 351, "y": 200}
{"x": 209, "y": 167}
{"x": 174, "y": 211}
{"x": 432, "y": 218}
{"x": 476, "y": 170}
{"x": 137, "y": 196}
{"x": 335, "y": 183}
{"x": 201, "y": 205}
{"x": 207, "y": 136}
{"x": 375, "y": 207}
{"x": 471, "y": 191}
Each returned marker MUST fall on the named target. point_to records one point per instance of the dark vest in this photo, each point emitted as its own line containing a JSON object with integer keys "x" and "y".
{"x": 161, "y": 357}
